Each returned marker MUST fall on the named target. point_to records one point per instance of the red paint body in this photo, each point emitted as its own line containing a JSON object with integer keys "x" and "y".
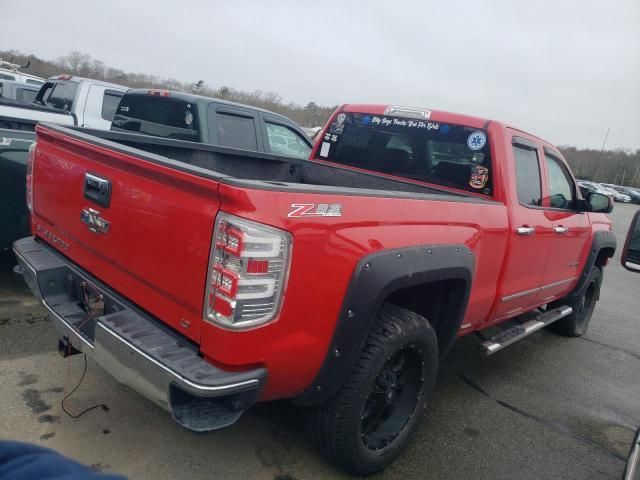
{"x": 158, "y": 246}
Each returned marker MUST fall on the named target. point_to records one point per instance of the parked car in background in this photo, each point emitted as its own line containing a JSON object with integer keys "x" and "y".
{"x": 617, "y": 196}
{"x": 66, "y": 100}
{"x": 20, "y": 91}
{"x": 312, "y": 132}
{"x": 155, "y": 113}
{"x": 587, "y": 186}
{"x": 14, "y": 216}
{"x": 195, "y": 118}
{"x": 10, "y": 71}
{"x": 633, "y": 193}
{"x": 63, "y": 99}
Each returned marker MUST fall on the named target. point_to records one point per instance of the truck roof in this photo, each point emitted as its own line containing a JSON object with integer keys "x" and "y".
{"x": 202, "y": 99}
{"x": 73, "y": 78}
{"x": 18, "y": 72}
{"x": 438, "y": 116}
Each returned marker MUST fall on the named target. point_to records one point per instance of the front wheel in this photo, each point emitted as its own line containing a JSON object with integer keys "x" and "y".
{"x": 371, "y": 419}
{"x": 583, "y": 305}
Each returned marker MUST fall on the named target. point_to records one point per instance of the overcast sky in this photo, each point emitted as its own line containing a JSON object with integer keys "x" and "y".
{"x": 565, "y": 70}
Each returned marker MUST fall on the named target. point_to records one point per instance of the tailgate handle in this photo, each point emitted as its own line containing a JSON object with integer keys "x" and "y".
{"x": 97, "y": 189}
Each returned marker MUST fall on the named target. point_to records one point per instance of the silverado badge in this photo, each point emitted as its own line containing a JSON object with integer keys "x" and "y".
{"x": 92, "y": 218}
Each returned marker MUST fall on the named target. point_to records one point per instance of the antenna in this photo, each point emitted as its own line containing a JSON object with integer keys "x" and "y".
{"x": 595, "y": 168}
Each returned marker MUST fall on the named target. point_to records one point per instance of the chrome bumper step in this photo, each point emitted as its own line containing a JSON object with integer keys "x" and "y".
{"x": 518, "y": 332}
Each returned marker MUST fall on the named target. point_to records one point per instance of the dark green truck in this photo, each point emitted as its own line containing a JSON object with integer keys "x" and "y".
{"x": 156, "y": 113}
{"x": 14, "y": 216}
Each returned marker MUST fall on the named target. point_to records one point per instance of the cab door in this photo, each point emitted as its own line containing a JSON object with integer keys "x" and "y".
{"x": 571, "y": 229}
{"x": 531, "y": 230}
{"x": 100, "y": 107}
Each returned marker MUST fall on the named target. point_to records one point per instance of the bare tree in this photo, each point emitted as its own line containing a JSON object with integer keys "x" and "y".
{"x": 82, "y": 64}
{"x": 76, "y": 62}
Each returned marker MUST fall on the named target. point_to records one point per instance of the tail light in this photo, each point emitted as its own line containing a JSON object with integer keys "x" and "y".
{"x": 30, "y": 159}
{"x": 159, "y": 93}
{"x": 247, "y": 273}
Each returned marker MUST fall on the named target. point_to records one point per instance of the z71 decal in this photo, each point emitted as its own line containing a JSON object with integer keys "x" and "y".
{"x": 315, "y": 210}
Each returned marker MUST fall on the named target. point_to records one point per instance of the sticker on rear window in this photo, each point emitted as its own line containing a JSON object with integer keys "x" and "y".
{"x": 476, "y": 140}
{"x": 324, "y": 150}
{"x": 337, "y": 128}
{"x": 479, "y": 177}
{"x": 400, "y": 122}
{"x": 341, "y": 118}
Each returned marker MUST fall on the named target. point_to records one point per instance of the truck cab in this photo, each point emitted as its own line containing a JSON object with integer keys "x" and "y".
{"x": 92, "y": 102}
{"x": 12, "y": 73}
{"x": 20, "y": 91}
{"x": 209, "y": 277}
{"x": 195, "y": 118}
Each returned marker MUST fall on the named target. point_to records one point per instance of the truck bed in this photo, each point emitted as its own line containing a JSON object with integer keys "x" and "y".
{"x": 151, "y": 240}
{"x": 240, "y": 167}
{"x": 161, "y": 203}
{"x": 17, "y": 115}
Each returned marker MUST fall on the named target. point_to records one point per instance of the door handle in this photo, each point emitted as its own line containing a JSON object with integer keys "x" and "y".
{"x": 560, "y": 230}
{"x": 525, "y": 231}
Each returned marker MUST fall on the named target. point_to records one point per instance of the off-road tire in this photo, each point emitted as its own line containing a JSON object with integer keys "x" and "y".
{"x": 583, "y": 304}
{"x": 336, "y": 427}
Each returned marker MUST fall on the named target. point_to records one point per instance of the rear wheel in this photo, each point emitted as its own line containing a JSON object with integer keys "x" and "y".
{"x": 371, "y": 419}
{"x": 583, "y": 305}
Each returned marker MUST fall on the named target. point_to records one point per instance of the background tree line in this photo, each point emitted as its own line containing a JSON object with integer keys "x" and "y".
{"x": 83, "y": 65}
{"x": 618, "y": 166}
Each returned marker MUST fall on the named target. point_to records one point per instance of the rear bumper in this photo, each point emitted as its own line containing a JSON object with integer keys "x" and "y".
{"x": 134, "y": 348}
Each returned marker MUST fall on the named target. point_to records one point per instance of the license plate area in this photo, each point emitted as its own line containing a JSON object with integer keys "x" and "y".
{"x": 79, "y": 302}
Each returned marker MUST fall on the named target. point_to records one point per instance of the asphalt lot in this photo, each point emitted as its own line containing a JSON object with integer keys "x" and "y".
{"x": 546, "y": 408}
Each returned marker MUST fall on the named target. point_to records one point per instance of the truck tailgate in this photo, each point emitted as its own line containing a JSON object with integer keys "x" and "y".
{"x": 154, "y": 250}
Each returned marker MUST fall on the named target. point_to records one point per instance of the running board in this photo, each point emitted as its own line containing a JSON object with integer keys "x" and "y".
{"x": 518, "y": 332}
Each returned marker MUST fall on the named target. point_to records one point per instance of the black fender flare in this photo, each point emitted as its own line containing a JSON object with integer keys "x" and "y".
{"x": 376, "y": 276}
{"x": 602, "y": 240}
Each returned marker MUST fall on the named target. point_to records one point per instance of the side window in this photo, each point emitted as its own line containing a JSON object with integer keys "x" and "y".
{"x": 26, "y": 95}
{"x": 527, "y": 176}
{"x": 284, "y": 141}
{"x": 4, "y": 76}
{"x": 110, "y": 103}
{"x": 561, "y": 189}
{"x": 62, "y": 96}
{"x": 34, "y": 82}
{"x": 236, "y": 131}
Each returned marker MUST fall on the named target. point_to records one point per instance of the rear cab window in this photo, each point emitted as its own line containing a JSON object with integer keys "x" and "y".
{"x": 449, "y": 155}
{"x": 26, "y": 94}
{"x": 58, "y": 95}
{"x": 157, "y": 115}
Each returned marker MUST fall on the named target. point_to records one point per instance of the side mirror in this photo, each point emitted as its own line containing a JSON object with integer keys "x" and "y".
{"x": 598, "y": 203}
{"x": 631, "y": 252}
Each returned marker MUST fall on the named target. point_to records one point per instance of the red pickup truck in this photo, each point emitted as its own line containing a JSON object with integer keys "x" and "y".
{"x": 209, "y": 278}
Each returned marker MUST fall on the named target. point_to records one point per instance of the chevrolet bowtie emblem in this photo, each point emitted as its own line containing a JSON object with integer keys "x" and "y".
{"x": 92, "y": 218}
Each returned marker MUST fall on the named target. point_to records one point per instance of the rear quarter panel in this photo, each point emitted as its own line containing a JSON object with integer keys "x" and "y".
{"x": 325, "y": 253}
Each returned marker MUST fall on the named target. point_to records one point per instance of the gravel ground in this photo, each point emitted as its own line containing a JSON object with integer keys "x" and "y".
{"x": 547, "y": 407}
